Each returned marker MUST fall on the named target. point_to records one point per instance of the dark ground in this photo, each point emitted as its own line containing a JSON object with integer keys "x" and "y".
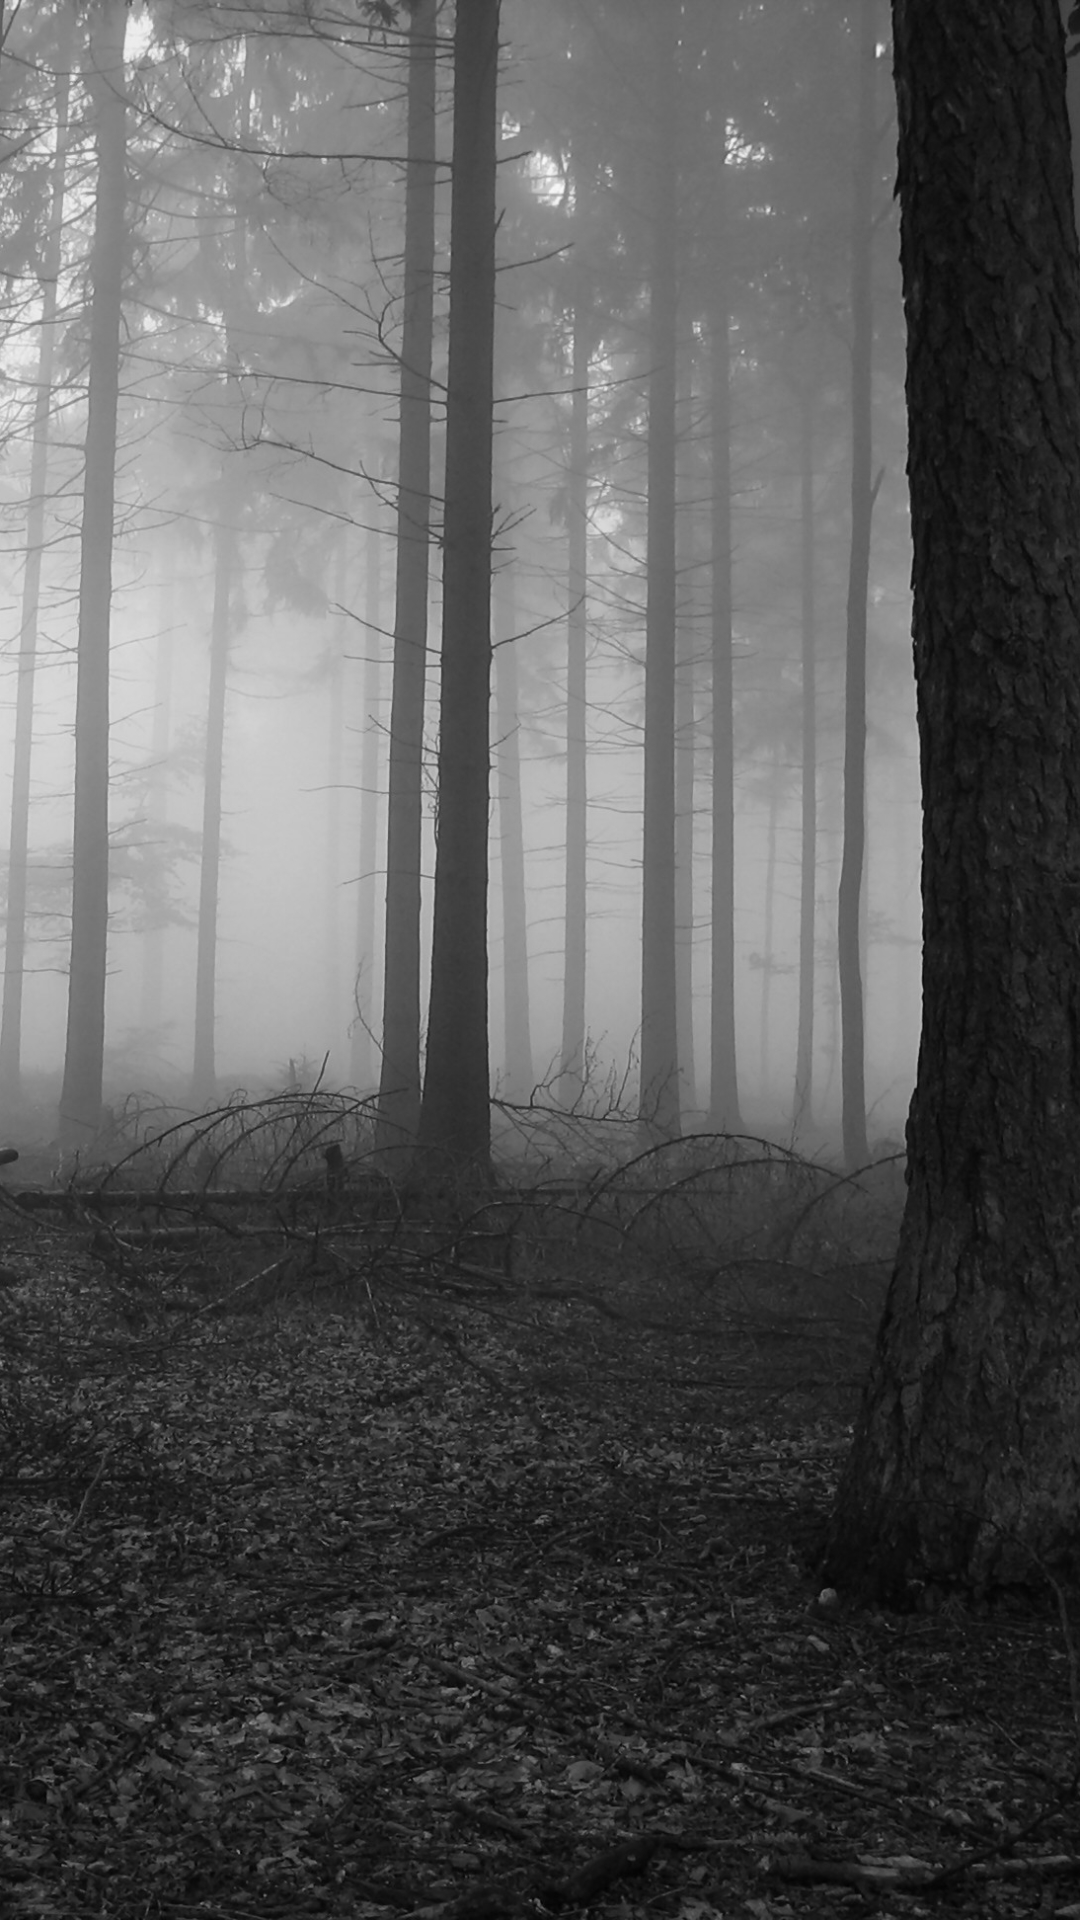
{"x": 352, "y": 1575}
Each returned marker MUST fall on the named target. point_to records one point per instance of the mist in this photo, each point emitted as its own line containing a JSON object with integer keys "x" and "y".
{"x": 256, "y": 512}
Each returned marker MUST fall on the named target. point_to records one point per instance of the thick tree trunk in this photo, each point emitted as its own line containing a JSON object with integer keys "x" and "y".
{"x": 517, "y": 1037}
{"x": 399, "y": 1080}
{"x": 455, "y": 1114}
{"x": 659, "y": 1090}
{"x": 575, "y": 937}
{"x": 802, "y": 1118}
{"x": 723, "y": 1070}
{"x": 80, "y": 1096}
{"x": 965, "y": 1471}
{"x": 852, "y": 1057}
{"x": 15, "y": 916}
{"x": 204, "y": 1068}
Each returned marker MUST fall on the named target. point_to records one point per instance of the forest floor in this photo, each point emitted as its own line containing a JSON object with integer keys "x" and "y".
{"x": 460, "y": 1590}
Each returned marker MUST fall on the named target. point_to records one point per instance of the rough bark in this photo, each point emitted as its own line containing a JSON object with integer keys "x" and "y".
{"x": 80, "y": 1095}
{"x": 659, "y": 1088}
{"x": 965, "y": 1470}
{"x": 455, "y": 1113}
{"x": 852, "y": 1046}
{"x": 399, "y": 1081}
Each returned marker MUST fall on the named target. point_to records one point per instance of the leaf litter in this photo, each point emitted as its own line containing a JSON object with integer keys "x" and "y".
{"x": 455, "y": 1604}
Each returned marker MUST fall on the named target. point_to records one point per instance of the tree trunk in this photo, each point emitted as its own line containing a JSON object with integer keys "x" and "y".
{"x": 659, "y": 1091}
{"x": 685, "y": 738}
{"x": 15, "y": 917}
{"x": 575, "y": 935}
{"x": 399, "y": 1079}
{"x": 80, "y": 1096}
{"x": 965, "y": 1471}
{"x": 517, "y": 1038}
{"x": 363, "y": 1026}
{"x": 803, "y": 1118}
{"x": 723, "y": 1072}
{"x": 204, "y": 1068}
{"x": 226, "y": 544}
{"x": 157, "y": 805}
{"x": 768, "y": 958}
{"x": 332, "y": 876}
{"x": 852, "y": 1060}
{"x": 455, "y": 1114}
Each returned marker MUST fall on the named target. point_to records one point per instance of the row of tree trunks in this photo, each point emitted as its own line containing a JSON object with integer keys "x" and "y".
{"x": 15, "y": 916}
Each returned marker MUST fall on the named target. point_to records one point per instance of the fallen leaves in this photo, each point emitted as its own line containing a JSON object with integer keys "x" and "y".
{"x": 311, "y": 1622}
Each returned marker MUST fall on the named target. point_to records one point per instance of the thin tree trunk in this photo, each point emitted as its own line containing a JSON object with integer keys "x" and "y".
{"x": 685, "y": 742}
{"x": 204, "y": 1069}
{"x": 15, "y": 917}
{"x": 659, "y": 1090}
{"x": 80, "y": 1096}
{"x": 455, "y": 1115}
{"x": 575, "y": 934}
{"x": 226, "y": 555}
{"x": 157, "y": 807}
{"x": 852, "y": 1065}
{"x": 768, "y": 958}
{"x": 802, "y": 1119}
{"x": 723, "y": 1074}
{"x": 399, "y": 1082}
{"x": 362, "y": 1063}
{"x": 332, "y": 888}
{"x": 517, "y": 1039}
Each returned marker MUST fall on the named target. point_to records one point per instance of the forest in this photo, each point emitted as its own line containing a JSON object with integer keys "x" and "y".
{"x": 539, "y": 1084}
{"x": 672, "y": 556}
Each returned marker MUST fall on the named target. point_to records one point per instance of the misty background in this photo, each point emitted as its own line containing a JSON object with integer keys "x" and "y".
{"x": 259, "y": 396}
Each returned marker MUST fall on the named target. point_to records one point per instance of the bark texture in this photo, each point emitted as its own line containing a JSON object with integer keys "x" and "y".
{"x": 455, "y": 1114}
{"x": 965, "y": 1469}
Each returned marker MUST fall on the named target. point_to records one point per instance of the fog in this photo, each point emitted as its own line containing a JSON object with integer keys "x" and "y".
{"x": 296, "y": 452}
